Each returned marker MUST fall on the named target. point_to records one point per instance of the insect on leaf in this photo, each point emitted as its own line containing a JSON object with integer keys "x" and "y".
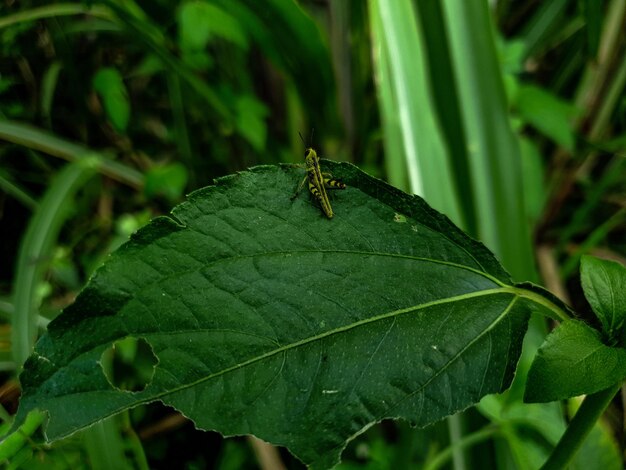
{"x": 267, "y": 320}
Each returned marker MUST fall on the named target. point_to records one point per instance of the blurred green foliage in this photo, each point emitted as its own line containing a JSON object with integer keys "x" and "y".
{"x": 509, "y": 115}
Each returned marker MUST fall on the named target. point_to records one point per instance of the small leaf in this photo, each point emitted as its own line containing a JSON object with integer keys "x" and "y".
{"x": 547, "y": 113}
{"x": 573, "y": 361}
{"x": 511, "y": 54}
{"x": 199, "y": 22}
{"x": 604, "y": 285}
{"x": 251, "y": 120}
{"x": 167, "y": 180}
{"x": 109, "y": 85}
{"x": 267, "y": 318}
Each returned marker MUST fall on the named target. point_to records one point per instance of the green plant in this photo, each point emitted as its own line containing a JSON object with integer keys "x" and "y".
{"x": 266, "y": 318}
{"x": 506, "y": 116}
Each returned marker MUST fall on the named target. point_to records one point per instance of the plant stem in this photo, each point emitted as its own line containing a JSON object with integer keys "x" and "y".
{"x": 559, "y": 313}
{"x": 16, "y": 441}
{"x": 455, "y": 430}
{"x": 471, "y": 439}
{"x": 592, "y": 408}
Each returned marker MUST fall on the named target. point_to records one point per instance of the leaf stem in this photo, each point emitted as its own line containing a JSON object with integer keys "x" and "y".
{"x": 592, "y": 408}
{"x": 559, "y": 313}
{"x": 16, "y": 441}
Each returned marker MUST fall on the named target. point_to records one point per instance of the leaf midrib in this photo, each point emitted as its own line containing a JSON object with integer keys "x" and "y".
{"x": 344, "y": 328}
{"x": 502, "y": 290}
{"x": 477, "y": 294}
{"x": 386, "y": 413}
{"x": 284, "y": 253}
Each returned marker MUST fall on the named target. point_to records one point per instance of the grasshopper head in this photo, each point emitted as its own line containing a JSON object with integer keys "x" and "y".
{"x": 310, "y": 154}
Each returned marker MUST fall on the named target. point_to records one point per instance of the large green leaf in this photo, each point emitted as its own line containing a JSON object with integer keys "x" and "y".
{"x": 267, "y": 318}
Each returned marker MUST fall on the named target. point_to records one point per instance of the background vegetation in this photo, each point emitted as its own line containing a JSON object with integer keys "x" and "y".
{"x": 510, "y": 117}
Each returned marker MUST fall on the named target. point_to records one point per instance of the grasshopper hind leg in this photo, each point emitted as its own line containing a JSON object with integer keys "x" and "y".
{"x": 332, "y": 183}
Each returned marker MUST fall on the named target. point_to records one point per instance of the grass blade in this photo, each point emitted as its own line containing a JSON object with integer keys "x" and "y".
{"x": 35, "y": 248}
{"x": 46, "y": 142}
{"x": 50, "y": 11}
{"x": 423, "y": 151}
{"x": 494, "y": 149}
{"x": 447, "y": 106}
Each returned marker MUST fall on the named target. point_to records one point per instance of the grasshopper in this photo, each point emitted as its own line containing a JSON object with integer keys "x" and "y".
{"x": 318, "y": 181}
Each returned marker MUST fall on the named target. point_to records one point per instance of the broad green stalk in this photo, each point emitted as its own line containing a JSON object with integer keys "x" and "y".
{"x": 495, "y": 158}
{"x": 589, "y": 412}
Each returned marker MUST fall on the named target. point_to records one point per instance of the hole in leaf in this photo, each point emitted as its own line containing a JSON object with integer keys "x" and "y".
{"x": 129, "y": 364}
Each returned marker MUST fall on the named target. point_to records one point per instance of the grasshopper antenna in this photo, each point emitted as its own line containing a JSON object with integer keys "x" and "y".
{"x": 310, "y": 138}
